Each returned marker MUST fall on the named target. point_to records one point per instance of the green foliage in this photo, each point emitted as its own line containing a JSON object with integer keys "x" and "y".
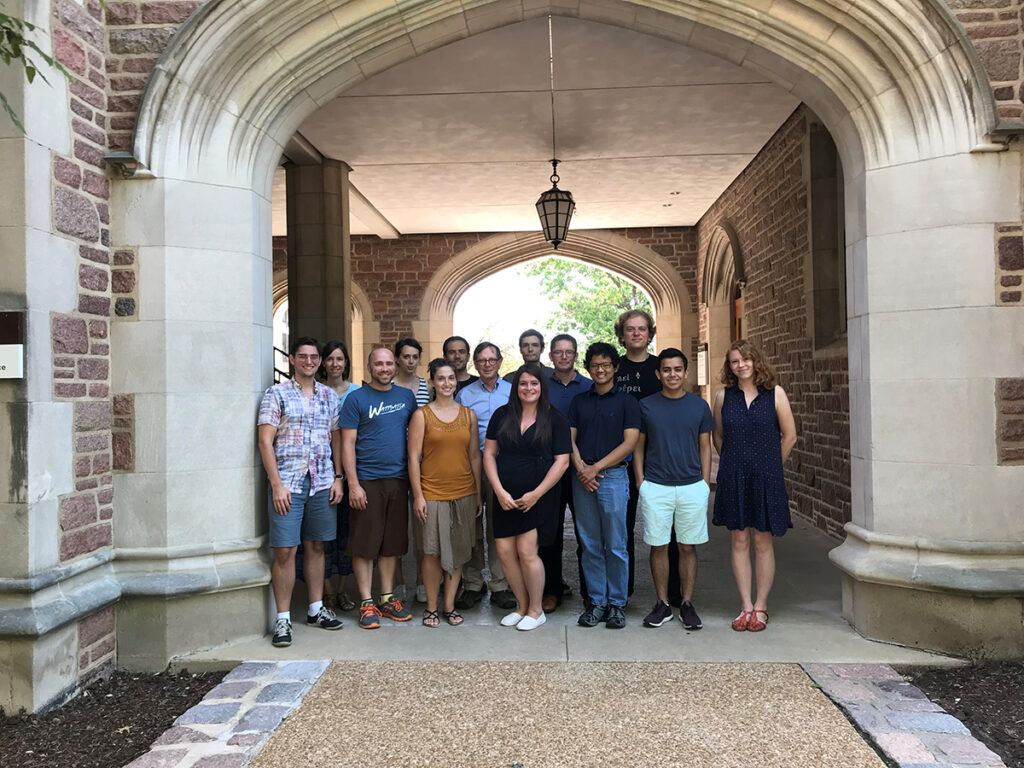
{"x": 589, "y": 299}
{"x": 16, "y": 46}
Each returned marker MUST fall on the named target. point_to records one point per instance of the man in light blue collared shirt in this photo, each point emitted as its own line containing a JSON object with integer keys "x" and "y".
{"x": 485, "y": 395}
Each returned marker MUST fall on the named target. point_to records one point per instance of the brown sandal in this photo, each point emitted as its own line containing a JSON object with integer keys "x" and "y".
{"x": 453, "y": 617}
{"x": 755, "y": 624}
{"x": 430, "y": 619}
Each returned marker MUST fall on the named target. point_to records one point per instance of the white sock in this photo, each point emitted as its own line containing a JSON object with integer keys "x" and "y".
{"x": 314, "y": 608}
{"x": 286, "y": 615}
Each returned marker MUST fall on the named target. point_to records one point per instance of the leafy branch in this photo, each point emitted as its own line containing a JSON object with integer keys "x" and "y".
{"x": 17, "y": 46}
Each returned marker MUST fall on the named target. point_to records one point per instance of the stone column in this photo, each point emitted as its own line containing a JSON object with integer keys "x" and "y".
{"x": 933, "y": 557}
{"x": 319, "y": 276}
{"x": 56, "y": 584}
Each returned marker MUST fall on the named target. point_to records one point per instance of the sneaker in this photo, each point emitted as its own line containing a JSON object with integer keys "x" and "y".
{"x": 325, "y": 619}
{"x": 504, "y": 599}
{"x": 591, "y": 617}
{"x": 615, "y": 617}
{"x": 660, "y": 613}
{"x": 421, "y": 593}
{"x": 688, "y": 615}
{"x": 369, "y": 616}
{"x": 394, "y": 610}
{"x": 282, "y": 633}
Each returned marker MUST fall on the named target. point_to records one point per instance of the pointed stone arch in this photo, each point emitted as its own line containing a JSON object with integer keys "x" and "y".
{"x": 722, "y": 278}
{"x": 897, "y": 84}
{"x": 672, "y": 303}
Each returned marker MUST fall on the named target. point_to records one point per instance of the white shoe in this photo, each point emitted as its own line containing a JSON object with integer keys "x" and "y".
{"x": 512, "y": 620}
{"x": 421, "y": 594}
{"x": 529, "y": 623}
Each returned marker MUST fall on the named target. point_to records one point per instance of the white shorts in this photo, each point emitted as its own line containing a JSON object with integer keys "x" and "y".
{"x": 682, "y": 506}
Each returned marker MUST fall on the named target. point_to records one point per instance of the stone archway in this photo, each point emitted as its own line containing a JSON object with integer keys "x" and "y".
{"x": 899, "y": 88}
{"x": 673, "y": 306}
{"x": 723, "y": 277}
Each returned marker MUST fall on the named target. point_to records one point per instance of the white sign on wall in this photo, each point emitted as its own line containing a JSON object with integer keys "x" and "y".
{"x": 702, "y": 365}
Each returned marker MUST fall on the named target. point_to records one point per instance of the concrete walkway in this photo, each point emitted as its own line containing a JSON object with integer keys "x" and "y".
{"x": 806, "y": 623}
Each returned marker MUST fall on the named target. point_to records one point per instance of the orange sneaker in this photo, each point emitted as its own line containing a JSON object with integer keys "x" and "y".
{"x": 369, "y": 616}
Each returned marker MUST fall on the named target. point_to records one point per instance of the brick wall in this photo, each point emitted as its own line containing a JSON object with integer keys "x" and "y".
{"x": 768, "y": 207}
{"x": 80, "y": 339}
{"x": 995, "y": 27}
{"x": 137, "y": 34}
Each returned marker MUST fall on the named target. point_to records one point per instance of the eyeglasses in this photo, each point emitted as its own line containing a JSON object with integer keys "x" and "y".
{"x": 307, "y": 358}
{"x": 563, "y": 353}
{"x": 487, "y": 361}
{"x": 601, "y": 366}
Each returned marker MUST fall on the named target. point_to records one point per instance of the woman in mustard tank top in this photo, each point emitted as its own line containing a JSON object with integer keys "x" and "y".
{"x": 444, "y": 474}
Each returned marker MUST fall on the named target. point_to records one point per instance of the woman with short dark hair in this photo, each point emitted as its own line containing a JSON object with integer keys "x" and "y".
{"x": 525, "y": 454}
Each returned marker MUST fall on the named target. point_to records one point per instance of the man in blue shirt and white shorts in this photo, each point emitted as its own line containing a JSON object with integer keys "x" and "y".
{"x": 672, "y": 466}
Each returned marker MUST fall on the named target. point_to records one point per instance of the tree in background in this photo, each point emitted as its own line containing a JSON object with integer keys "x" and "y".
{"x": 589, "y": 299}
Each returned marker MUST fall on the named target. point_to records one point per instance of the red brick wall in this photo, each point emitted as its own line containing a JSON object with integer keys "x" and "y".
{"x": 995, "y": 27}
{"x": 768, "y": 207}
{"x": 80, "y": 344}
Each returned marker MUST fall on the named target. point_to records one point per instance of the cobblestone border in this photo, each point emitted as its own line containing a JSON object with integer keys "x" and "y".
{"x": 234, "y": 721}
{"x": 904, "y": 724}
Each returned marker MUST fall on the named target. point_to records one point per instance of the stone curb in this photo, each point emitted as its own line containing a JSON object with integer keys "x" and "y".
{"x": 903, "y": 723}
{"x": 234, "y": 721}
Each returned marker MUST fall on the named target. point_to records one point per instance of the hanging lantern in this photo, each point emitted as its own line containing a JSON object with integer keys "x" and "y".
{"x": 555, "y": 208}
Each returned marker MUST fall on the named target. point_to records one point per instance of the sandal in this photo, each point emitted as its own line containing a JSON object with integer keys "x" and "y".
{"x": 742, "y": 622}
{"x": 755, "y": 624}
{"x": 453, "y": 617}
{"x": 430, "y": 618}
{"x": 344, "y": 602}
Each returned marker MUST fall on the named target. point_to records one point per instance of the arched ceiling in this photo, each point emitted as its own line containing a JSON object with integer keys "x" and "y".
{"x": 650, "y": 132}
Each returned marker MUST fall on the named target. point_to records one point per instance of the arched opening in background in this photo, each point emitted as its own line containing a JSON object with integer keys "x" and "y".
{"x": 551, "y": 294}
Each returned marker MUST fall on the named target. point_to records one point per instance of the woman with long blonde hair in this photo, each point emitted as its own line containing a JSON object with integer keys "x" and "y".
{"x": 754, "y": 433}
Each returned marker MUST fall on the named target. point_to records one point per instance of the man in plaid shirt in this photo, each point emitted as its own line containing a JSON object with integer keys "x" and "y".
{"x": 300, "y": 445}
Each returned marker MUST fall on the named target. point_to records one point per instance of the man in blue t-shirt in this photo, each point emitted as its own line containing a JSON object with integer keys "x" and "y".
{"x": 374, "y": 425}
{"x": 672, "y": 465}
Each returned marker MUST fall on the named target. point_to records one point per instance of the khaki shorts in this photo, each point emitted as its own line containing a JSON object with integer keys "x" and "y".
{"x": 449, "y": 531}
{"x": 382, "y": 529}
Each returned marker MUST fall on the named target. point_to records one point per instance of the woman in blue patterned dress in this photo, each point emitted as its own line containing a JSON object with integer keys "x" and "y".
{"x": 754, "y": 433}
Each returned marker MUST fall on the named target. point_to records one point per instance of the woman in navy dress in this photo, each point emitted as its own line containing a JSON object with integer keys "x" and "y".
{"x": 754, "y": 433}
{"x": 525, "y": 454}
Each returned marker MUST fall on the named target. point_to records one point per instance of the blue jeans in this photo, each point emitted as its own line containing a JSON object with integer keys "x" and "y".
{"x": 601, "y": 520}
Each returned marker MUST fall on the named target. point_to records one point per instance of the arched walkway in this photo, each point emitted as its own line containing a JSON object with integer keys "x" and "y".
{"x": 677, "y": 322}
{"x": 899, "y": 88}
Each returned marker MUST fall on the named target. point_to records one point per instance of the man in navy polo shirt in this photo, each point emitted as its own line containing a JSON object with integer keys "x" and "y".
{"x": 565, "y": 383}
{"x": 605, "y": 425}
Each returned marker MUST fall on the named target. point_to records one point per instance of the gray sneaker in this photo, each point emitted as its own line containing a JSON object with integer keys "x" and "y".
{"x": 591, "y": 617}
{"x": 615, "y": 618}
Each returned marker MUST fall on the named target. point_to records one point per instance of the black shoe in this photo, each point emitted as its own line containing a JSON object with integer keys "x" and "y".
{"x": 469, "y": 598}
{"x": 591, "y": 617}
{"x": 660, "y": 613}
{"x": 504, "y": 599}
{"x": 282, "y": 633}
{"x": 688, "y": 615}
{"x": 325, "y": 619}
{"x": 615, "y": 617}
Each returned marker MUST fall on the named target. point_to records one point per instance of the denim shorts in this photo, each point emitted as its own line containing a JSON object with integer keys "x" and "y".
{"x": 310, "y": 518}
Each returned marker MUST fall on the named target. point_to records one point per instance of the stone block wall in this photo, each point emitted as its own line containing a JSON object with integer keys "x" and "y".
{"x": 767, "y": 206}
{"x": 1010, "y": 420}
{"x": 80, "y": 339}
